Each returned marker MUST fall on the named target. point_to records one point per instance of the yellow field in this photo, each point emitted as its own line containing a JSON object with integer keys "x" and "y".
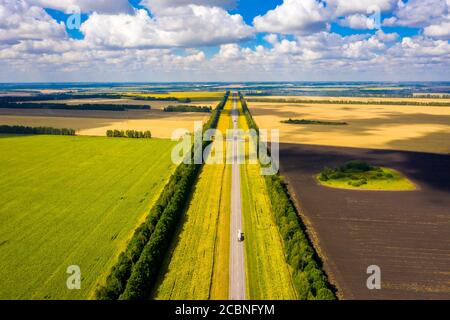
{"x": 197, "y": 268}
{"x": 96, "y": 123}
{"x": 411, "y": 128}
{"x": 267, "y": 273}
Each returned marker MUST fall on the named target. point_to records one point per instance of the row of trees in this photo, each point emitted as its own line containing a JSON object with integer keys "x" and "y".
{"x": 36, "y": 130}
{"x": 72, "y": 96}
{"x": 354, "y": 102}
{"x": 188, "y": 108}
{"x": 133, "y": 134}
{"x": 309, "y": 279}
{"x": 57, "y": 96}
{"x": 84, "y": 107}
{"x": 134, "y": 275}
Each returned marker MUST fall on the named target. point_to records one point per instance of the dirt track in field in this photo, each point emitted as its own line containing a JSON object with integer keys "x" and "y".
{"x": 407, "y": 234}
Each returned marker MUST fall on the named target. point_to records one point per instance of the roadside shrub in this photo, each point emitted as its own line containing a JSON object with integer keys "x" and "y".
{"x": 325, "y": 294}
{"x": 302, "y": 284}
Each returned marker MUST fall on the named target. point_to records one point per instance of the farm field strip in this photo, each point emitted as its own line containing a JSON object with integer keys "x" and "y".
{"x": 45, "y": 227}
{"x": 197, "y": 266}
{"x": 268, "y": 274}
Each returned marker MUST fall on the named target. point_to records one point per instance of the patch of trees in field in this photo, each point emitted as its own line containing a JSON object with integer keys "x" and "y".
{"x": 309, "y": 279}
{"x": 432, "y": 96}
{"x": 84, "y": 107}
{"x": 36, "y": 130}
{"x": 354, "y": 102}
{"x": 135, "y": 274}
{"x": 317, "y": 122}
{"x": 357, "y": 172}
{"x": 188, "y": 108}
{"x": 132, "y": 134}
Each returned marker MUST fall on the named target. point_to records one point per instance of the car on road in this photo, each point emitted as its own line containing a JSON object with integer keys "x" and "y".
{"x": 240, "y": 236}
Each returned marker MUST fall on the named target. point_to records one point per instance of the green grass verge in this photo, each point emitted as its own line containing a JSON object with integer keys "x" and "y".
{"x": 72, "y": 201}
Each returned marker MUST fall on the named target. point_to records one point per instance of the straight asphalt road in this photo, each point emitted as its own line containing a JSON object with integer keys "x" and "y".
{"x": 237, "y": 264}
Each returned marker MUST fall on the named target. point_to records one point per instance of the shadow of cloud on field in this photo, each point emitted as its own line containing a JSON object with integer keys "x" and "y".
{"x": 405, "y": 233}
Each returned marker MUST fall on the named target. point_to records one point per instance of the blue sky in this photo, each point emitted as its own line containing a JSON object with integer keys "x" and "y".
{"x": 200, "y": 40}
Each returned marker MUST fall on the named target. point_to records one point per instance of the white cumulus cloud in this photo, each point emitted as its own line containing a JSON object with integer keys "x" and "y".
{"x": 294, "y": 16}
{"x": 440, "y": 30}
{"x": 21, "y": 21}
{"x": 420, "y": 13}
{"x": 348, "y": 7}
{"x": 157, "y": 5}
{"x": 187, "y": 26}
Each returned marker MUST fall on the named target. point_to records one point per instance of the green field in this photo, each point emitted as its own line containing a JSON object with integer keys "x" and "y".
{"x": 72, "y": 201}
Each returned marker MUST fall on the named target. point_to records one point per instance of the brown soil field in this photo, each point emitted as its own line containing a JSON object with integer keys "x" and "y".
{"x": 96, "y": 123}
{"x": 407, "y": 234}
{"x": 410, "y": 128}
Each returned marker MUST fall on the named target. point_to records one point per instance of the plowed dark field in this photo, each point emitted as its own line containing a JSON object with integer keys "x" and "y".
{"x": 407, "y": 234}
